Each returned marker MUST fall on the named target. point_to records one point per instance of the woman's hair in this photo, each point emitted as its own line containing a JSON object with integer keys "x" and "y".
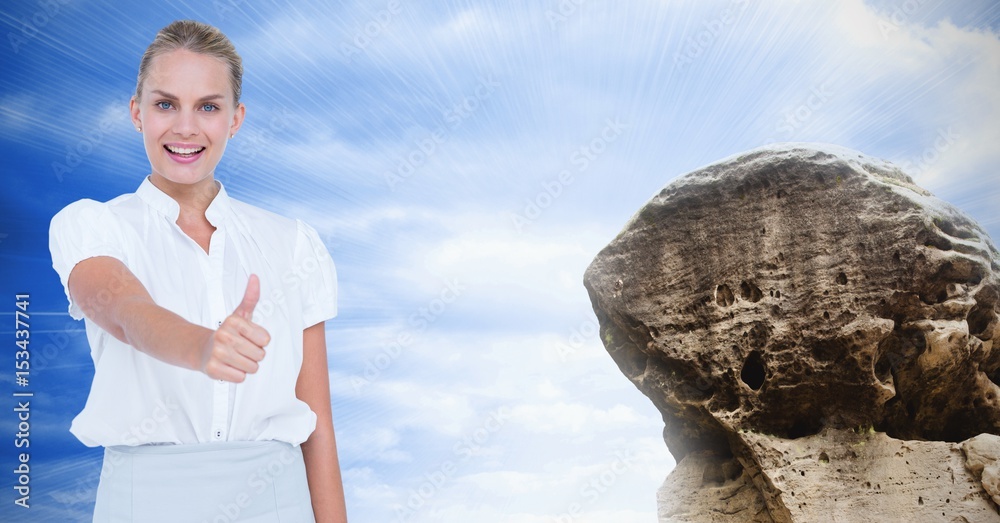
{"x": 197, "y": 38}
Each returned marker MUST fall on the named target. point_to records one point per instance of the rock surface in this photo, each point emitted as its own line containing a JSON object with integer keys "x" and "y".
{"x": 835, "y": 476}
{"x": 782, "y": 299}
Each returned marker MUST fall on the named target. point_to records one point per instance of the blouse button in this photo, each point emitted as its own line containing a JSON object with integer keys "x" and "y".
{"x": 218, "y": 434}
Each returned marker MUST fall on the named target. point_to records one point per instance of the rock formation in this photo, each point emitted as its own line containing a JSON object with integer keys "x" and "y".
{"x": 818, "y": 334}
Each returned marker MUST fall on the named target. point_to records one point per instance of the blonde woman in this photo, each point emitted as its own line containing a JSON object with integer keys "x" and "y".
{"x": 205, "y": 318}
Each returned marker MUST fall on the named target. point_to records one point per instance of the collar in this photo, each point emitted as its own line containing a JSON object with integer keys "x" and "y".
{"x": 216, "y": 213}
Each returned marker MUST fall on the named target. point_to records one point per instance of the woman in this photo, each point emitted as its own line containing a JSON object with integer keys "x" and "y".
{"x": 205, "y": 318}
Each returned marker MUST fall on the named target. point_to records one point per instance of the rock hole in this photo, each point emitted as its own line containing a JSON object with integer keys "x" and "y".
{"x": 753, "y": 372}
{"x": 823, "y": 457}
{"x": 804, "y": 427}
{"x": 724, "y": 296}
{"x": 883, "y": 367}
{"x": 826, "y": 315}
{"x": 777, "y": 294}
{"x": 750, "y": 292}
{"x": 895, "y": 257}
{"x": 712, "y": 474}
{"x": 937, "y": 242}
{"x": 781, "y": 256}
{"x": 994, "y": 377}
{"x": 920, "y": 500}
{"x": 842, "y": 279}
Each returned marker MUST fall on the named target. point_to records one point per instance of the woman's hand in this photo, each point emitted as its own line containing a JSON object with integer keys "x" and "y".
{"x": 113, "y": 298}
{"x": 236, "y": 348}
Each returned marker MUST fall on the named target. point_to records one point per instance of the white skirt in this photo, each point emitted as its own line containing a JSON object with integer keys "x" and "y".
{"x": 252, "y": 481}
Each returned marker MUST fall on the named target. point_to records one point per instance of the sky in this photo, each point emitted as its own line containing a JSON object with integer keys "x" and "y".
{"x": 464, "y": 161}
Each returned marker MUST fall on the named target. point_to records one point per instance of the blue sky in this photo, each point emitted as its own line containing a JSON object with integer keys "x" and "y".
{"x": 464, "y": 162}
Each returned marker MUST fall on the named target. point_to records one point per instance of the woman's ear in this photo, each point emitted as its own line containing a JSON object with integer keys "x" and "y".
{"x": 133, "y": 109}
{"x": 238, "y": 115}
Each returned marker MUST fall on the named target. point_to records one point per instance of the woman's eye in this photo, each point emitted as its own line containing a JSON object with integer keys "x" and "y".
{"x": 209, "y": 107}
{"x": 164, "y": 105}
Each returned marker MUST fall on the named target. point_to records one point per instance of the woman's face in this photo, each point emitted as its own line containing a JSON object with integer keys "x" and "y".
{"x": 187, "y": 114}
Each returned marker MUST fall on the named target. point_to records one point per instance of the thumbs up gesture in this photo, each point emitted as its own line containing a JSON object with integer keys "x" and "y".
{"x": 237, "y": 346}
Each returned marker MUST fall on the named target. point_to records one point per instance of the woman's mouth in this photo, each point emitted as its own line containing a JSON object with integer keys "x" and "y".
{"x": 183, "y": 154}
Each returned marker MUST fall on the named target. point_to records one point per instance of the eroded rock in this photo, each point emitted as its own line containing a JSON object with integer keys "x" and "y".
{"x": 982, "y": 458}
{"x": 795, "y": 289}
{"x": 845, "y": 475}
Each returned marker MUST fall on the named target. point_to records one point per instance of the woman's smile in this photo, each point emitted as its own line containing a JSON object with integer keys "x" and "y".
{"x": 184, "y": 153}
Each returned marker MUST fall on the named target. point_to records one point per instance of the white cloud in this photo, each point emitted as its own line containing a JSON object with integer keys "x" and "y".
{"x": 602, "y": 485}
{"x": 574, "y": 418}
{"x": 378, "y": 444}
{"x": 363, "y": 486}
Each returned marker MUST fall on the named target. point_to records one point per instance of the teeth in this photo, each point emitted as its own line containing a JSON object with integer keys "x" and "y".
{"x": 182, "y": 150}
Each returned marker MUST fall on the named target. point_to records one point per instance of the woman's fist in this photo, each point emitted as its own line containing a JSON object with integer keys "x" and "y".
{"x": 236, "y": 348}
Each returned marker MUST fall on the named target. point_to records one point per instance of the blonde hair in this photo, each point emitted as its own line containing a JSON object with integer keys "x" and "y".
{"x": 198, "y": 38}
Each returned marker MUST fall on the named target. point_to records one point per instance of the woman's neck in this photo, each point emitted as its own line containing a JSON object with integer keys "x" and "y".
{"x": 192, "y": 198}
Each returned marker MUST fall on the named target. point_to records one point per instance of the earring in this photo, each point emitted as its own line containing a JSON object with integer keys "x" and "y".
{"x": 231, "y": 136}
{"x": 138, "y": 129}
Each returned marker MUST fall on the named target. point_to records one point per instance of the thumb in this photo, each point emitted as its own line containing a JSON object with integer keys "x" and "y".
{"x": 250, "y": 298}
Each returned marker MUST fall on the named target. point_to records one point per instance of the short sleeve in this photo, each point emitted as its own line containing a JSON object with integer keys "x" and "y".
{"x": 319, "y": 290}
{"x": 83, "y": 229}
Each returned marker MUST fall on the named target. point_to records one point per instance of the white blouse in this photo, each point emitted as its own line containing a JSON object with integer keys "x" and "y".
{"x": 136, "y": 399}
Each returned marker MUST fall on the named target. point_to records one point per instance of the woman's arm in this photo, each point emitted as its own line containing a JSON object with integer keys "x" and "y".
{"x": 113, "y": 298}
{"x": 320, "y": 450}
